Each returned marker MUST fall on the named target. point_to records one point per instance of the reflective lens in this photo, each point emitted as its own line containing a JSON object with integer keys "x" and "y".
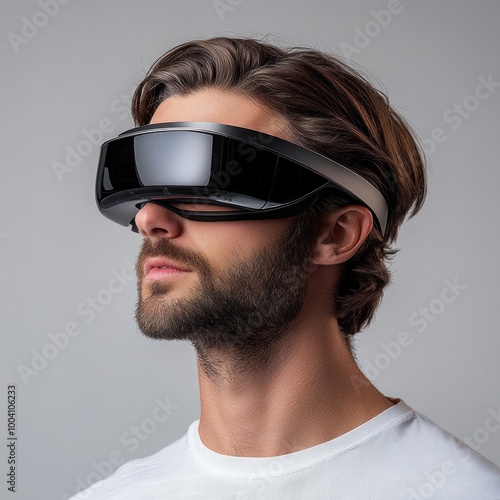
{"x": 173, "y": 158}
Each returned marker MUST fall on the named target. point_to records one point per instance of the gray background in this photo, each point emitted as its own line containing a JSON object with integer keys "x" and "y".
{"x": 77, "y": 411}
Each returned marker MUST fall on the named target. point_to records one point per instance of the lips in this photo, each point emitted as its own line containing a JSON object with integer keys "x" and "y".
{"x": 160, "y": 267}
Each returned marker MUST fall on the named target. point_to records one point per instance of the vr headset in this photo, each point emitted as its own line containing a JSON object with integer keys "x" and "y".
{"x": 221, "y": 172}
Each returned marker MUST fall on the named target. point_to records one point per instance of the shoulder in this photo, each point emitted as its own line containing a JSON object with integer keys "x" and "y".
{"x": 431, "y": 460}
{"x": 133, "y": 477}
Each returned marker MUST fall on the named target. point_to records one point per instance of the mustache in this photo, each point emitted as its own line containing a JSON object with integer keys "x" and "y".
{"x": 165, "y": 248}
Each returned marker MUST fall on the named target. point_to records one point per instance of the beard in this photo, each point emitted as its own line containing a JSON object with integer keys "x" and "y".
{"x": 244, "y": 311}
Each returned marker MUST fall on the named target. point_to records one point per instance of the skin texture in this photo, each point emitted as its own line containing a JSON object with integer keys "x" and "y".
{"x": 313, "y": 391}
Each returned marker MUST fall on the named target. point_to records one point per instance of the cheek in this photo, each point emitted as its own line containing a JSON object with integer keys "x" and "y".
{"x": 223, "y": 243}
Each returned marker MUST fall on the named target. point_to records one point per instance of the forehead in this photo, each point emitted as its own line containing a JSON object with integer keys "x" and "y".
{"x": 217, "y": 106}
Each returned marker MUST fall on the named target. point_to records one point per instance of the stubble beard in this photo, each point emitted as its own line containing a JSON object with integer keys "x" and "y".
{"x": 243, "y": 313}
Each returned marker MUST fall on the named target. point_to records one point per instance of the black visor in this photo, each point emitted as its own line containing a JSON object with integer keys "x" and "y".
{"x": 208, "y": 166}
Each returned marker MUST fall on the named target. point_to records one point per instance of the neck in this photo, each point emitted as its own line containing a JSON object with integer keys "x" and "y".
{"x": 309, "y": 391}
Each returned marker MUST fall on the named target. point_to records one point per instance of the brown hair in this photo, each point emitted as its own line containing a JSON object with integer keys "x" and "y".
{"x": 329, "y": 108}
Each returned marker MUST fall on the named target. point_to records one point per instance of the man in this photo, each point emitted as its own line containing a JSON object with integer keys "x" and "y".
{"x": 268, "y": 185}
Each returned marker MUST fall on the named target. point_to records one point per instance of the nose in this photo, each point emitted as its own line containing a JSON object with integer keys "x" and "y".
{"x": 155, "y": 221}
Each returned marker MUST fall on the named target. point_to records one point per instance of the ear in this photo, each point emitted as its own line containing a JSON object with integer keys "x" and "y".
{"x": 341, "y": 233}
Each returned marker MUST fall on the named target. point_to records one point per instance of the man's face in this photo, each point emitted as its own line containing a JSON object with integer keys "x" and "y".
{"x": 245, "y": 307}
{"x": 234, "y": 285}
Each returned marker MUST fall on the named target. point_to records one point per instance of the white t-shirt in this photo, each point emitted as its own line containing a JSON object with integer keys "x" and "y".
{"x": 399, "y": 454}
